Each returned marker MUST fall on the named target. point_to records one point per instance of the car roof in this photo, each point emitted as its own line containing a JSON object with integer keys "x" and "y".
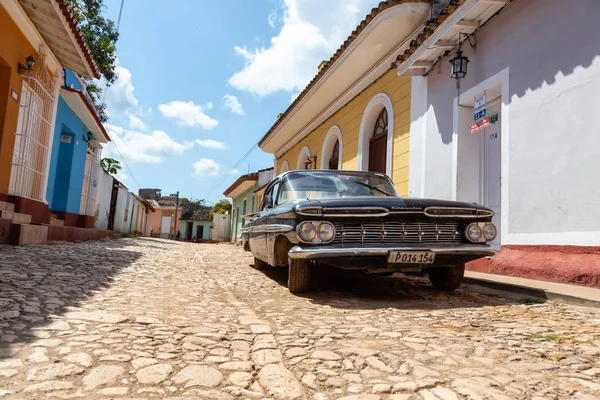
{"x": 331, "y": 171}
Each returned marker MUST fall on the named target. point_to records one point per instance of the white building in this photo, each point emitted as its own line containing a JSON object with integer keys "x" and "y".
{"x": 537, "y": 163}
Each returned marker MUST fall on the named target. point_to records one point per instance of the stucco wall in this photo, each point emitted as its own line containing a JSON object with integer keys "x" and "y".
{"x": 105, "y": 182}
{"x": 126, "y": 205}
{"x": 238, "y": 202}
{"x": 349, "y": 117}
{"x": 552, "y": 154}
{"x": 67, "y": 161}
{"x": 12, "y": 52}
{"x": 205, "y": 233}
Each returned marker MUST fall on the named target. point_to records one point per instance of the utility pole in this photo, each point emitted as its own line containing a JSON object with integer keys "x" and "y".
{"x": 176, "y": 208}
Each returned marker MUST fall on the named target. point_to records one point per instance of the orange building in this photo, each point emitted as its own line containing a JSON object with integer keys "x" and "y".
{"x": 39, "y": 38}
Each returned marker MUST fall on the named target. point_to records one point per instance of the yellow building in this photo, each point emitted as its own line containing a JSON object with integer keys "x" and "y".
{"x": 355, "y": 113}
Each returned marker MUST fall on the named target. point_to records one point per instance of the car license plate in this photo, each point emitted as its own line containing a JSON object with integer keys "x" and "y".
{"x": 411, "y": 257}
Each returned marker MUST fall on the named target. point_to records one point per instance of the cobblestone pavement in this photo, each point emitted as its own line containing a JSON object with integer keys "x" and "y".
{"x": 149, "y": 318}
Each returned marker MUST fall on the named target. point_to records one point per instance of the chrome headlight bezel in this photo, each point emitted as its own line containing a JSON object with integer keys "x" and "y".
{"x": 489, "y": 228}
{"x": 480, "y": 229}
{"x": 319, "y": 237}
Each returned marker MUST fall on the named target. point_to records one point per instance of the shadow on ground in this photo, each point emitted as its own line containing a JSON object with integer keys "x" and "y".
{"x": 40, "y": 282}
{"x": 355, "y": 290}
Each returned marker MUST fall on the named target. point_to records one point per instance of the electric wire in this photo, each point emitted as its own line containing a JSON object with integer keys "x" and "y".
{"x": 237, "y": 164}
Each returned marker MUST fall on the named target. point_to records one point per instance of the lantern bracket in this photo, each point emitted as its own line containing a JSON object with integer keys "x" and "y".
{"x": 467, "y": 38}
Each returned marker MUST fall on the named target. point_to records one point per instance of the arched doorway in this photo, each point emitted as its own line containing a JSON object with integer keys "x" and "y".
{"x": 335, "y": 156}
{"x": 331, "y": 155}
{"x": 378, "y": 144}
{"x": 375, "y": 138}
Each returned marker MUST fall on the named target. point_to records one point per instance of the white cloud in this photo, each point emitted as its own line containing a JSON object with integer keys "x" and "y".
{"x": 205, "y": 167}
{"x": 141, "y": 147}
{"x": 211, "y": 144}
{"x": 233, "y": 104}
{"x": 120, "y": 101}
{"x": 310, "y": 34}
{"x": 209, "y": 105}
{"x": 187, "y": 113}
{"x": 272, "y": 18}
{"x": 137, "y": 124}
{"x": 235, "y": 171}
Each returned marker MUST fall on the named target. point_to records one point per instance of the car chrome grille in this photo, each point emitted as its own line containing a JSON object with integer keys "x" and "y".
{"x": 394, "y": 233}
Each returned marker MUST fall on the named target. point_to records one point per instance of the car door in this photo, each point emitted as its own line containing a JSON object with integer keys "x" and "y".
{"x": 258, "y": 234}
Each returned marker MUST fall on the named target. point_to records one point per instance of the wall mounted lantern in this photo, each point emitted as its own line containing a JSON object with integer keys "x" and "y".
{"x": 28, "y": 67}
{"x": 459, "y": 66}
{"x": 308, "y": 164}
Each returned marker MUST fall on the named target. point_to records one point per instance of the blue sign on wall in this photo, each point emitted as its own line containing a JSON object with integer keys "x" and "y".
{"x": 480, "y": 109}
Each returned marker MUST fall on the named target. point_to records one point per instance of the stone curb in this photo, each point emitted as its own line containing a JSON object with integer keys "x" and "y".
{"x": 527, "y": 291}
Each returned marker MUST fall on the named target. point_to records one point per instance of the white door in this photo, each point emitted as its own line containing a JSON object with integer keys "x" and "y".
{"x": 165, "y": 227}
{"x": 492, "y": 166}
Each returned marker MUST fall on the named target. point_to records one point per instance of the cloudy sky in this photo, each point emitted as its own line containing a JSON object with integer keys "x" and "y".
{"x": 200, "y": 82}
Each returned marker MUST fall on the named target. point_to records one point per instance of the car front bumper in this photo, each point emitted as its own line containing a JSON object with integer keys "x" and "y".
{"x": 315, "y": 252}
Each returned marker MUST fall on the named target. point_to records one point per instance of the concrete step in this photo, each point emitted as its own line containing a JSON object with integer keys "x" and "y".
{"x": 16, "y": 218}
{"x": 57, "y": 222}
{"x": 24, "y": 234}
{"x": 5, "y": 229}
{"x": 4, "y": 206}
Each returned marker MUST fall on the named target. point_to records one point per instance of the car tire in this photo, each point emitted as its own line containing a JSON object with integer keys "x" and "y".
{"x": 447, "y": 278}
{"x": 298, "y": 275}
{"x": 259, "y": 264}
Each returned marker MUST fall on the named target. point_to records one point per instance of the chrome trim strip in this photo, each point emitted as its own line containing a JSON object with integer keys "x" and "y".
{"x": 479, "y": 213}
{"x": 383, "y": 212}
{"x": 271, "y": 228}
{"x": 301, "y": 211}
{"x": 298, "y": 252}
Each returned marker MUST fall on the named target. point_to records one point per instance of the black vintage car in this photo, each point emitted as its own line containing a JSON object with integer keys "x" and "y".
{"x": 356, "y": 220}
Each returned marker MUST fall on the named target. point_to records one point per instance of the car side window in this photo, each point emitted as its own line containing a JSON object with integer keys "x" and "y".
{"x": 270, "y": 191}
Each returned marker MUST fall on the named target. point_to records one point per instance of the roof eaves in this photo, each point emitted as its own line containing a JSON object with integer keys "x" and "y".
{"x": 74, "y": 25}
{"x": 91, "y": 109}
{"x": 248, "y": 177}
{"x": 326, "y": 65}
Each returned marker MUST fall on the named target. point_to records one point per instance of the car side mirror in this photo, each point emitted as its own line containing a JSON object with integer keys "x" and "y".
{"x": 268, "y": 201}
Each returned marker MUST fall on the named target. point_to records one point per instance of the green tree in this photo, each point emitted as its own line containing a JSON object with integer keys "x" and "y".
{"x": 110, "y": 165}
{"x": 101, "y": 36}
{"x": 220, "y": 207}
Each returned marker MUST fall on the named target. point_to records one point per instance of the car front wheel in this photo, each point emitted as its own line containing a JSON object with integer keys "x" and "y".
{"x": 447, "y": 278}
{"x": 298, "y": 275}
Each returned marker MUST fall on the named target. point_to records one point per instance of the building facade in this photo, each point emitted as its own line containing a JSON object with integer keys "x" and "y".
{"x": 532, "y": 154}
{"x": 43, "y": 38}
{"x": 355, "y": 113}
{"x": 75, "y": 157}
{"x": 246, "y": 193}
{"x": 196, "y": 224}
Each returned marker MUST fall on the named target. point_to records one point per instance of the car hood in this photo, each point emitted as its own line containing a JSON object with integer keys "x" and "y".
{"x": 390, "y": 203}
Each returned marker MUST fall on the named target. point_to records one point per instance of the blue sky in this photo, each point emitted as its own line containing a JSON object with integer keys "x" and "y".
{"x": 200, "y": 82}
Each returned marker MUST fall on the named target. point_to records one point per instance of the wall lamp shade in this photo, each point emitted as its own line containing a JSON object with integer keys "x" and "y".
{"x": 29, "y": 63}
{"x": 459, "y": 66}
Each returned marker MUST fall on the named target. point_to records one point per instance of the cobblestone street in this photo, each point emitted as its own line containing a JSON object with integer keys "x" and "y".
{"x": 149, "y": 318}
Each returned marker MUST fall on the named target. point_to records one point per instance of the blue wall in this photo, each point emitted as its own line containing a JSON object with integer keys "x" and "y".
{"x": 67, "y": 161}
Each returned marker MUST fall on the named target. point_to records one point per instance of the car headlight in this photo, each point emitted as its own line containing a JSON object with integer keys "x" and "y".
{"x": 316, "y": 232}
{"x": 489, "y": 232}
{"x": 326, "y": 232}
{"x": 307, "y": 231}
{"x": 474, "y": 232}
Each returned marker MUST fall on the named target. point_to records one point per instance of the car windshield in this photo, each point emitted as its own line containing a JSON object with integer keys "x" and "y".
{"x": 333, "y": 185}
